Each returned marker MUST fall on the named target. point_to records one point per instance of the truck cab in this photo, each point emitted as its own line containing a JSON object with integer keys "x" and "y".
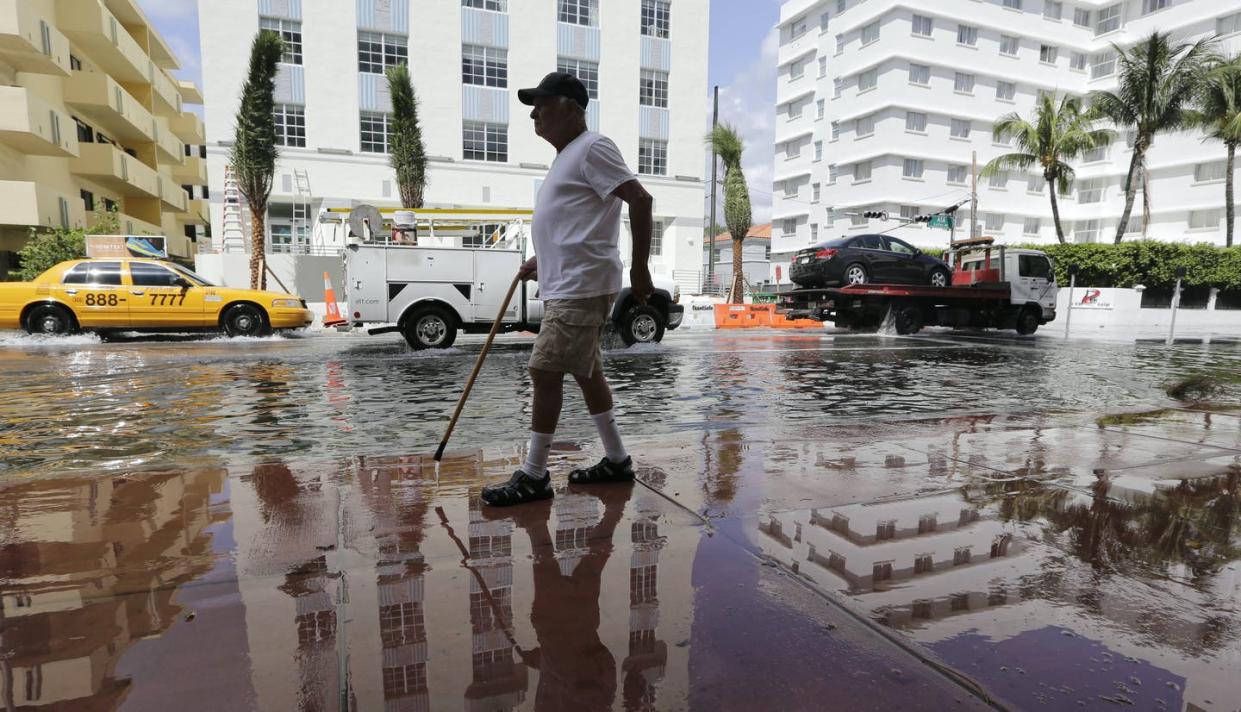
{"x": 1029, "y": 274}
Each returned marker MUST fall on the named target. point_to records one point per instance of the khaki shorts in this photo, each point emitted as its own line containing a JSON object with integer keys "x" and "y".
{"x": 571, "y": 335}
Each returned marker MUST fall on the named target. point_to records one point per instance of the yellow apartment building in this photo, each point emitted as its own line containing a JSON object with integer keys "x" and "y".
{"x": 91, "y": 118}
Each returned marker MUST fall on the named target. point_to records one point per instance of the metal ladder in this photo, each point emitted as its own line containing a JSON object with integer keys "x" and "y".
{"x": 234, "y": 232}
{"x": 302, "y": 229}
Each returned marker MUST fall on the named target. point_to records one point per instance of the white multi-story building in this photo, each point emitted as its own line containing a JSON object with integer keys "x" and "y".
{"x": 881, "y": 104}
{"x": 644, "y": 63}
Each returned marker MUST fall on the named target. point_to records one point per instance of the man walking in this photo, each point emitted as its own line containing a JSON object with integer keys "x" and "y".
{"x": 578, "y": 265}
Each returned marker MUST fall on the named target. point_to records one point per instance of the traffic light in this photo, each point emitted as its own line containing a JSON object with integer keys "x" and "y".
{"x": 875, "y": 214}
{"x": 922, "y": 218}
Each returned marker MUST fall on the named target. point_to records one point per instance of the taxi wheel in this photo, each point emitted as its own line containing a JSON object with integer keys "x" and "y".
{"x": 50, "y": 319}
{"x": 245, "y": 320}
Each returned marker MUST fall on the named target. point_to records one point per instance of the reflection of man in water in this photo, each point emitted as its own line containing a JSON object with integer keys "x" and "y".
{"x": 576, "y": 670}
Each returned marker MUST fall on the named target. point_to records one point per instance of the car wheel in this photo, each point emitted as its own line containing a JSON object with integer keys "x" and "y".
{"x": 429, "y": 327}
{"x": 940, "y": 278}
{"x": 245, "y": 320}
{"x": 856, "y": 274}
{"x": 907, "y": 318}
{"x": 50, "y": 319}
{"x": 1027, "y": 321}
{"x": 642, "y": 324}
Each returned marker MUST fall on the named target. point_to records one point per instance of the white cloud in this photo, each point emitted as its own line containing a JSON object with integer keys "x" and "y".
{"x": 748, "y": 103}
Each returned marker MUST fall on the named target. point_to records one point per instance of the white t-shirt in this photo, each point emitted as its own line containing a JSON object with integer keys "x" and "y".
{"x": 577, "y": 220}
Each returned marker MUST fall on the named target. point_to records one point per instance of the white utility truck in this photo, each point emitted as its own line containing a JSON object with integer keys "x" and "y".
{"x": 445, "y": 271}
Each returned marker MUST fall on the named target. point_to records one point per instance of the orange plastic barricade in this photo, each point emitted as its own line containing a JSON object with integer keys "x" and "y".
{"x": 332, "y": 317}
{"x": 780, "y": 321}
{"x": 743, "y": 316}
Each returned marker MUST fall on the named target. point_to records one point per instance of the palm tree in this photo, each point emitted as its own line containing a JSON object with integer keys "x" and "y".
{"x": 727, "y": 144}
{"x": 1058, "y": 133}
{"x": 1218, "y": 113}
{"x": 1157, "y": 81}
{"x": 254, "y": 145}
{"x": 407, "y": 154}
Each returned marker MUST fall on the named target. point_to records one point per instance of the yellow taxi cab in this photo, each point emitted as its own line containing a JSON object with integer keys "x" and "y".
{"x": 142, "y": 295}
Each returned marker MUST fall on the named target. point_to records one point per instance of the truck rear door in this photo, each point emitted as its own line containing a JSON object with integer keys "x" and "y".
{"x": 493, "y": 274}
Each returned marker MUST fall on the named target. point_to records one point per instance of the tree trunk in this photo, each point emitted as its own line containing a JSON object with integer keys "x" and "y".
{"x": 1055, "y": 208}
{"x": 258, "y": 251}
{"x": 738, "y": 288}
{"x": 1229, "y": 212}
{"x": 1131, "y": 189}
{"x": 1146, "y": 198}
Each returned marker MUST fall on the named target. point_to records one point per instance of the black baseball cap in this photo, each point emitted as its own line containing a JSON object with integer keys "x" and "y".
{"x": 556, "y": 84}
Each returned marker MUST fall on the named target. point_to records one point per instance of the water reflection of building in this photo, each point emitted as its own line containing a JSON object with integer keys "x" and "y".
{"x": 91, "y": 566}
{"x": 644, "y": 666}
{"x": 500, "y": 680}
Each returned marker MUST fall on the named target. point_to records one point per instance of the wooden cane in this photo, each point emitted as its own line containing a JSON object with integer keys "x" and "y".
{"x": 478, "y": 365}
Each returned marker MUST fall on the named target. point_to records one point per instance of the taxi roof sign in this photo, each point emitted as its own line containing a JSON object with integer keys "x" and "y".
{"x": 123, "y": 246}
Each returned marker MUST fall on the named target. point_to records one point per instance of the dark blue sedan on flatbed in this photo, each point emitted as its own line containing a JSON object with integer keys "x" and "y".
{"x": 863, "y": 259}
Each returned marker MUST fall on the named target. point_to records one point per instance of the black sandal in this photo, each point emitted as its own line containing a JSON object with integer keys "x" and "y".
{"x": 604, "y": 471}
{"x": 519, "y": 489}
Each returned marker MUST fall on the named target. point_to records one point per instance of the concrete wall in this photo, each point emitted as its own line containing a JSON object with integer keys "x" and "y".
{"x": 1125, "y": 317}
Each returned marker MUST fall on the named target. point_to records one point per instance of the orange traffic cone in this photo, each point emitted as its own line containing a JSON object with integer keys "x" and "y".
{"x": 333, "y": 317}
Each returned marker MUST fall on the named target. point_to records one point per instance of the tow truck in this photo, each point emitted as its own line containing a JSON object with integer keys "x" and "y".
{"x": 447, "y": 270}
{"x": 993, "y": 287}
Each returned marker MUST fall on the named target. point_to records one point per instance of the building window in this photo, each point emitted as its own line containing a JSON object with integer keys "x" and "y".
{"x": 657, "y": 237}
{"x": 861, "y": 172}
{"x": 1088, "y": 230}
{"x": 1081, "y": 17}
{"x": 290, "y": 125}
{"x": 838, "y": 87}
{"x": 957, "y": 175}
{"x": 653, "y": 90}
{"x": 484, "y": 66}
{"x": 1047, "y": 54}
{"x": 814, "y": 237}
{"x": 1032, "y": 226}
{"x": 1005, "y": 91}
{"x": 291, "y": 32}
{"x": 586, "y": 72}
{"x": 378, "y": 51}
{"x": 1035, "y": 183}
{"x": 823, "y": 23}
{"x": 1090, "y": 191}
{"x": 1204, "y": 219}
{"x": 1095, "y": 155}
{"x": 375, "y": 128}
{"x": 493, "y": 5}
{"x": 822, "y": 67}
{"x": 485, "y": 142}
{"x": 1228, "y": 24}
{"x": 840, "y": 44}
{"x": 816, "y": 191}
{"x": 833, "y": 172}
{"x": 868, "y": 79}
{"x": 1009, "y": 45}
{"x": 1053, "y": 9}
{"x": 818, "y": 151}
{"x": 835, "y": 130}
{"x": 1077, "y": 61}
{"x": 909, "y": 212}
{"x": 994, "y": 222}
{"x": 85, "y": 133}
{"x": 797, "y": 70}
{"x": 999, "y": 180}
{"x": 864, "y": 126}
{"x": 912, "y": 168}
{"x": 858, "y": 220}
{"x": 795, "y": 110}
{"x": 656, "y": 18}
{"x": 919, "y": 74}
{"x": 110, "y": 205}
{"x": 792, "y": 150}
{"x": 1012, "y": 4}
{"x": 1109, "y": 20}
{"x": 967, "y": 35}
{"x": 1149, "y": 6}
{"x": 798, "y": 27}
{"x": 964, "y": 83}
{"x": 915, "y": 121}
{"x": 789, "y": 226}
{"x": 840, "y": 6}
{"x": 870, "y": 33}
{"x": 652, "y": 157}
{"x": 1103, "y": 64}
{"x": 820, "y": 108}
{"x": 923, "y": 25}
{"x": 74, "y": 63}
{"x": 1204, "y": 172}
{"x": 580, "y": 12}
{"x": 882, "y": 571}
{"x": 88, "y": 200}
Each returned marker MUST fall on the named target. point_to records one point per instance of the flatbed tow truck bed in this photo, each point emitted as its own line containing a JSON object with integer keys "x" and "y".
{"x": 866, "y": 306}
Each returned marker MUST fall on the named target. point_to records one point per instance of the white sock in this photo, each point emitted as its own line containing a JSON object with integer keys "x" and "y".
{"x": 536, "y": 454}
{"x": 610, "y": 435}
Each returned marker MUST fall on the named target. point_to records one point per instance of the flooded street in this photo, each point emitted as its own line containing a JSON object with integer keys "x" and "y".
{"x": 822, "y": 521}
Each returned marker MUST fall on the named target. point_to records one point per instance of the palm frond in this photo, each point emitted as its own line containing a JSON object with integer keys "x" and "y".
{"x": 727, "y": 144}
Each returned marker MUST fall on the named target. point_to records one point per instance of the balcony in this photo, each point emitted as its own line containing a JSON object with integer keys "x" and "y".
{"x": 24, "y": 203}
{"x": 31, "y": 42}
{"x": 189, "y": 93}
{"x": 112, "y": 109}
{"x": 192, "y": 172}
{"x": 171, "y": 195}
{"x": 33, "y": 127}
{"x": 133, "y": 226}
{"x": 167, "y": 94}
{"x": 170, "y": 148}
{"x": 197, "y": 212}
{"x": 100, "y": 35}
{"x": 189, "y": 128}
{"x": 116, "y": 170}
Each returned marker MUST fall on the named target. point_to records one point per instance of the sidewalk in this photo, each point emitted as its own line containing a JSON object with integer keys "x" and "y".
{"x": 905, "y": 565}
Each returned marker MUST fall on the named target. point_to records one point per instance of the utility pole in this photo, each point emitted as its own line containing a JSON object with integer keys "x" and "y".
{"x": 973, "y": 195}
{"x": 715, "y": 119}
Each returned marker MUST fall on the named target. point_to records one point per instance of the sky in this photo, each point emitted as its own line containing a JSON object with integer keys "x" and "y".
{"x": 742, "y": 61}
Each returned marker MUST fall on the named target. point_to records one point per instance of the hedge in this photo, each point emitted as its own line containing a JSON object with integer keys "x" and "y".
{"x": 1147, "y": 262}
